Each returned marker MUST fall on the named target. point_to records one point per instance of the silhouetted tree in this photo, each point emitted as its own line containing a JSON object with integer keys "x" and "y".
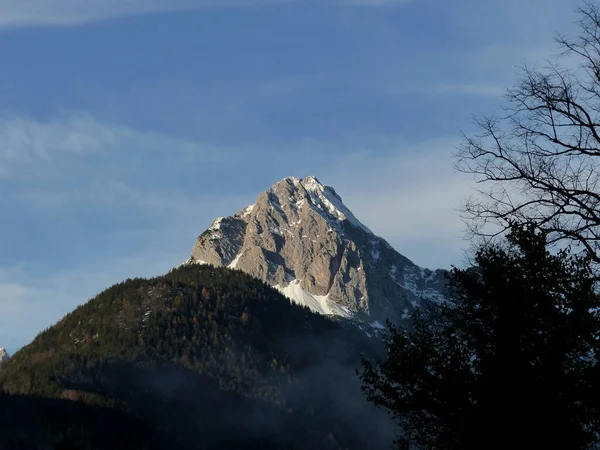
{"x": 538, "y": 160}
{"x": 509, "y": 361}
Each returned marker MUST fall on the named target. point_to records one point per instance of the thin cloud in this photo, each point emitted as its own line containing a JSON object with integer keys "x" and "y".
{"x": 475, "y": 89}
{"x": 15, "y": 13}
{"x": 18, "y": 13}
{"x": 27, "y": 142}
{"x": 375, "y": 2}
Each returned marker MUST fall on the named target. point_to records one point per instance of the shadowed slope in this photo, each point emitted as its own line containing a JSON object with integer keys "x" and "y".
{"x": 209, "y": 358}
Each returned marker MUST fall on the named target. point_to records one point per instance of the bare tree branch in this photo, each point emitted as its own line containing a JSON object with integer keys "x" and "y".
{"x": 538, "y": 162}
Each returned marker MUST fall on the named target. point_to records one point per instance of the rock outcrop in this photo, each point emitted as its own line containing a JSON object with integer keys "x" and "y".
{"x": 301, "y": 238}
{"x": 4, "y": 356}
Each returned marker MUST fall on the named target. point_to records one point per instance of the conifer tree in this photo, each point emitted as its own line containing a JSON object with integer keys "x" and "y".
{"x": 509, "y": 361}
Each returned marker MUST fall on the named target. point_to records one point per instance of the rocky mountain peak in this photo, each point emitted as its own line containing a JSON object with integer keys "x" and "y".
{"x": 321, "y": 198}
{"x": 3, "y": 354}
{"x": 300, "y": 237}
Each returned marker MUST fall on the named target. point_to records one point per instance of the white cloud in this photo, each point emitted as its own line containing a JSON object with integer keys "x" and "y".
{"x": 73, "y": 12}
{"x": 30, "y": 143}
{"x": 16, "y": 13}
{"x": 28, "y": 140}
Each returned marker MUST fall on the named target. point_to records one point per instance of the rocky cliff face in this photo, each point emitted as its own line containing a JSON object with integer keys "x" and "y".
{"x": 301, "y": 238}
{"x": 3, "y": 355}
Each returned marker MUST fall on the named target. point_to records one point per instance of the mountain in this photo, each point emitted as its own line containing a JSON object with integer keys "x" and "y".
{"x": 213, "y": 355}
{"x": 4, "y": 356}
{"x": 300, "y": 238}
{"x": 200, "y": 358}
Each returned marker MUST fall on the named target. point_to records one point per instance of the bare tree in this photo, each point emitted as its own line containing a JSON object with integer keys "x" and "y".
{"x": 538, "y": 161}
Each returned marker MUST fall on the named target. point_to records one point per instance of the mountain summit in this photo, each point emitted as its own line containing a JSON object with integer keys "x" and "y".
{"x": 300, "y": 238}
{"x": 3, "y": 354}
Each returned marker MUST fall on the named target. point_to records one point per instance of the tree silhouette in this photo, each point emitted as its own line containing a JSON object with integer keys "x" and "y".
{"x": 537, "y": 161}
{"x": 509, "y": 361}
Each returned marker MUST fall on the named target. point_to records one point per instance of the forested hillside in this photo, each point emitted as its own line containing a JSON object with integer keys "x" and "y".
{"x": 203, "y": 357}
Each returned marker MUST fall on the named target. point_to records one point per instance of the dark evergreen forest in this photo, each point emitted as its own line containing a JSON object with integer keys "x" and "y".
{"x": 199, "y": 358}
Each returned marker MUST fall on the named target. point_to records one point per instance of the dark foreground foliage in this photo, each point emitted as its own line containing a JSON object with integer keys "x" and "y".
{"x": 32, "y": 422}
{"x": 200, "y": 358}
{"x": 511, "y": 361}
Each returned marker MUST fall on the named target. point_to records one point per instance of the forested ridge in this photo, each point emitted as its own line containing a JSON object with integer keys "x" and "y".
{"x": 206, "y": 358}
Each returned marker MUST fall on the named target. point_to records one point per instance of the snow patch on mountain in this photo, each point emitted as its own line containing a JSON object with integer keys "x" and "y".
{"x": 275, "y": 230}
{"x": 375, "y": 253}
{"x": 320, "y": 304}
{"x": 235, "y": 261}
{"x": 216, "y": 225}
{"x": 191, "y": 261}
{"x": 244, "y": 213}
{"x": 195, "y": 261}
{"x": 411, "y": 277}
{"x": 325, "y": 198}
{"x": 376, "y": 324}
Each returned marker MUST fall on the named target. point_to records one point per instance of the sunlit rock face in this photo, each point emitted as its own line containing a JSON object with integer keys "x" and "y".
{"x": 301, "y": 238}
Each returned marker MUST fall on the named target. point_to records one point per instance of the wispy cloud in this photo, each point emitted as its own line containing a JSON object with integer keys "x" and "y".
{"x": 27, "y": 143}
{"x": 475, "y": 89}
{"x": 16, "y": 13}
{"x": 112, "y": 182}
{"x": 375, "y": 2}
{"x": 25, "y": 140}
{"x": 79, "y": 162}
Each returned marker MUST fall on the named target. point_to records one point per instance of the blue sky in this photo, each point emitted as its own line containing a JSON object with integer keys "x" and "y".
{"x": 126, "y": 127}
